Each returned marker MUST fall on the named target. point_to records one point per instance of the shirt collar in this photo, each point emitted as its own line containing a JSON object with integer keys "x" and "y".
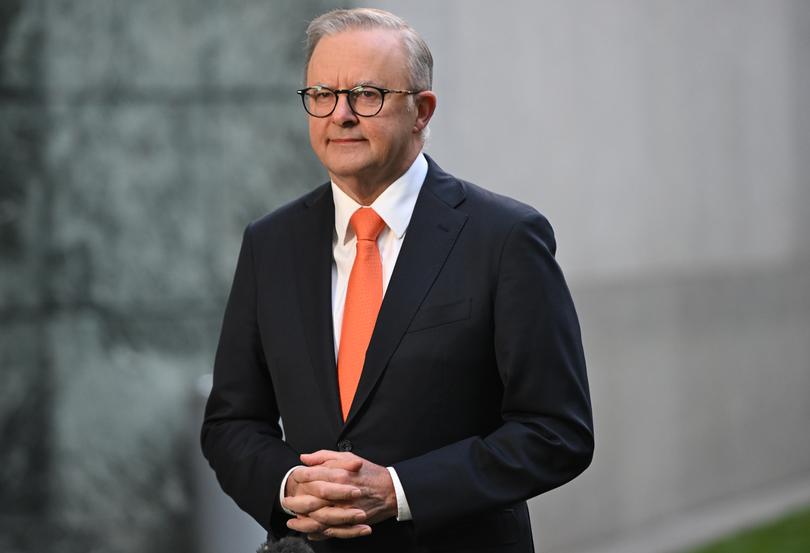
{"x": 395, "y": 205}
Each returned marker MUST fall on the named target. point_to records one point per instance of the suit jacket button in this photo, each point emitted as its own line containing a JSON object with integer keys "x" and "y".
{"x": 344, "y": 445}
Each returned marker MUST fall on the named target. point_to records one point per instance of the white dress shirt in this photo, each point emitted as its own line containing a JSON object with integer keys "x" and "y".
{"x": 395, "y": 207}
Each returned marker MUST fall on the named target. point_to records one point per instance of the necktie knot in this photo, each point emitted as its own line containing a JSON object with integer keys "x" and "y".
{"x": 367, "y": 224}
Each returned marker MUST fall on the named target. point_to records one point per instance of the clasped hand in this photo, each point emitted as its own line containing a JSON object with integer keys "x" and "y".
{"x": 338, "y": 495}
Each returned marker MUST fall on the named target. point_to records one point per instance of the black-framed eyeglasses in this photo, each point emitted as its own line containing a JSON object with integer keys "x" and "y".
{"x": 364, "y": 100}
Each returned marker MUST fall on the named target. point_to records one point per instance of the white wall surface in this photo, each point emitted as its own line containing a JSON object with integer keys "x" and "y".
{"x": 657, "y": 136}
{"x": 668, "y": 143}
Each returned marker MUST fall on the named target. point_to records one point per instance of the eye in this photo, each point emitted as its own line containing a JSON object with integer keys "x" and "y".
{"x": 365, "y": 93}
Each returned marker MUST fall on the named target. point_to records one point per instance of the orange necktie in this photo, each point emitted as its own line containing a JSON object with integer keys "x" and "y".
{"x": 363, "y": 299}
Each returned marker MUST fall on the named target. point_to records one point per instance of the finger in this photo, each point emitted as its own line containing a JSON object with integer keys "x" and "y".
{"x": 305, "y": 525}
{"x": 322, "y": 455}
{"x": 320, "y": 472}
{"x": 349, "y": 464}
{"x": 344, "y": 532}
{"x": 317, "y": 537}
{"x": 345, "y": 460}
{"x": 330, "y": 491}
{"x": 303, "y": 504}
{"x": 337, "y": 516}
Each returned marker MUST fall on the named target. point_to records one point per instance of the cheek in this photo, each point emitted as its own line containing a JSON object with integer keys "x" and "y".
{"x": 379, "y": 140}
{"x": 315, "y": 133}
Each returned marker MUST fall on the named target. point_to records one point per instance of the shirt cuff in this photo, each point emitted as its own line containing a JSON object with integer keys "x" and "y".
{"x": 403, "y": 510}
{"x": 284, "y": 487}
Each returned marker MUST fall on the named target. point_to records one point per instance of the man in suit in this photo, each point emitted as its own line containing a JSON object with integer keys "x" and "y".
{"x": 412, "y": 331}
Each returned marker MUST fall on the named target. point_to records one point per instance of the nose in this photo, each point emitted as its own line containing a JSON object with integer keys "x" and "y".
{"x": 343, "y": 114}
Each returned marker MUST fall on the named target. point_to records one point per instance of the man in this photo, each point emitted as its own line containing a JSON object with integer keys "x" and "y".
{"x": 412, "y": 331}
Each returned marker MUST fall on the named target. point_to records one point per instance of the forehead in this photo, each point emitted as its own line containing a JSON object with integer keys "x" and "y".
{"x": 376, "y": 56}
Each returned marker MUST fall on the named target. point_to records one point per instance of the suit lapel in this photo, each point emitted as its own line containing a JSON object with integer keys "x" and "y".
{"x": 432, "y": 231}
{"x": 313, "y": 261}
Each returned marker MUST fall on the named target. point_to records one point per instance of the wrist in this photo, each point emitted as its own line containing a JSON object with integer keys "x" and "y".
{"x": 290, "y": 485}
{"x": 391, "y": 505}
{"x": 287, "y": 488}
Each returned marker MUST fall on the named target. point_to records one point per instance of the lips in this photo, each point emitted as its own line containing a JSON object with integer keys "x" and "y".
{"x": 346, "y": 140}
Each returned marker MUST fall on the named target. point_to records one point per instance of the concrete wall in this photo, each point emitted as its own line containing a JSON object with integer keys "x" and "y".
{"x": 667, "y": 142}
{"x": 137, "y": 139}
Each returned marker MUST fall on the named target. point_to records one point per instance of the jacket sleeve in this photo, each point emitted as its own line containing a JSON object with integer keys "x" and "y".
{"x": 546, "y": 435}
{"x": 241, "y": 436}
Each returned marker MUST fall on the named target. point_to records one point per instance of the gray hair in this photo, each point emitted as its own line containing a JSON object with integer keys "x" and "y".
{"x": 420, "y": 60}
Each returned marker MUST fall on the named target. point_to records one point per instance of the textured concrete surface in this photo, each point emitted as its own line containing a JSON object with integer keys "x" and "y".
{"x": 25, "y": 411}
{"x": 169, "y": 211}
{"x": 179, "y": 45}
{"x": 120, "y": 420}
{"x": 136, "y": 142}
{"x": 26, "y": 391}
{"x": 22, "y": 202}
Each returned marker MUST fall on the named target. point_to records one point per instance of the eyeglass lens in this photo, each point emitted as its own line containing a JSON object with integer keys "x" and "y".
{"x": 364, "y": 101}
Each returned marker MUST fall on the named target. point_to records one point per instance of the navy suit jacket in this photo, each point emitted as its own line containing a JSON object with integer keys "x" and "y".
{"x": 474, "y": 386}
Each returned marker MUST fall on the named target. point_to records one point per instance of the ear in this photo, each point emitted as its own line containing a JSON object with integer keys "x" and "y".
{"x": 425, "y": 106}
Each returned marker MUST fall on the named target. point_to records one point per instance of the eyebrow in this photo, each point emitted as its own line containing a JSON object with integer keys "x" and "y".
{"x": 358, "y": 83}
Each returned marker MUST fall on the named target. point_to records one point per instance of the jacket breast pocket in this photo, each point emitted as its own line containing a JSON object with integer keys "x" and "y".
{"x": 436, "y": 315}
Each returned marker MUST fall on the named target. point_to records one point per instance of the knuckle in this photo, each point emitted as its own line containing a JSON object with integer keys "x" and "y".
{"x": 308, "y": 504}
{"x": 340, "y": 476}
{"x": 347, "y": 533}
{"x": 314, "y": 526}
{"x": 290, "y": 503}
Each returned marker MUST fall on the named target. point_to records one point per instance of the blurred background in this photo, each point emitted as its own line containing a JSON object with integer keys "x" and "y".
{"x": 668, "y": 142}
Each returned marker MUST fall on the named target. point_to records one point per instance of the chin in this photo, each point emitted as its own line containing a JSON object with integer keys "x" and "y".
{"x": 346, "y": 167}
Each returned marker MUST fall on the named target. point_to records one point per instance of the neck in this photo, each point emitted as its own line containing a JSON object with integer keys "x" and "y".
{"x": 361, "y": 191}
